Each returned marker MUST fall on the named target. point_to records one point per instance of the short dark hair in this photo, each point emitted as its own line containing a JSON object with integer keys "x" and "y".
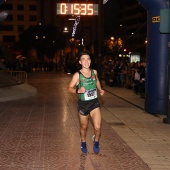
{"x": 84, "y": 53}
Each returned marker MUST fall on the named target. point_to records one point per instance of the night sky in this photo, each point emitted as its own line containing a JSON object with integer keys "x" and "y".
{"x": 110, "y": 20}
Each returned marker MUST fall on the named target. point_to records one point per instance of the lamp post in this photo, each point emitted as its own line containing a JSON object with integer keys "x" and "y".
{"x": 100, "y": 30}
{"x": 100, "y": 35}
{"x": 146, "y": 42}
{"x": 112, "y": 42}
{"x": 72, "y": 46}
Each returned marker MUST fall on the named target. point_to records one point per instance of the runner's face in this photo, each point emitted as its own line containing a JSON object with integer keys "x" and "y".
{"x": 85, "y": 61}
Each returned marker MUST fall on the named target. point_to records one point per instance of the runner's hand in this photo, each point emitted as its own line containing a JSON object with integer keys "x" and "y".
{"x": 81, "y": 90}
{"x": 102, "y": 92}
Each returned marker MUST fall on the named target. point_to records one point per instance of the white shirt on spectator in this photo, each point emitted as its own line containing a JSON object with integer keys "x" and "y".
{"x": 137, "y": 76}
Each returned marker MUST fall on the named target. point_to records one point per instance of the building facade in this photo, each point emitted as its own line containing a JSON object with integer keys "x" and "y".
{"x": 21, "y": 15}
{"x": 133, "y": 26}
{"x": 25, "y": 13}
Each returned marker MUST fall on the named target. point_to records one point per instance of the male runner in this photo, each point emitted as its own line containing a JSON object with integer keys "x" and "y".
{"x": 85, "y": 82}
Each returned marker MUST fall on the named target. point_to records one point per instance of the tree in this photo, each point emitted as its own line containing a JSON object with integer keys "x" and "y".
{"x": 113, "y": 46}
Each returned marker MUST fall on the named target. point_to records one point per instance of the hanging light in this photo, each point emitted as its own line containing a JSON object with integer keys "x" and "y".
{"x": 65, "y": 29}
{"x": 105, "y": 1}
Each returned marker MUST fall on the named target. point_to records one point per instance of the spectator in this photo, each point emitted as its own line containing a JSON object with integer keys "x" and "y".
{"x": 142, "y": 80}
{"x": 122, "y": 73}
{"x": 137, "y": 81}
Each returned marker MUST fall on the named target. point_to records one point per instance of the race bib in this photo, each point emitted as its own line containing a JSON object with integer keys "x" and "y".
{"x": 90, "y": 94}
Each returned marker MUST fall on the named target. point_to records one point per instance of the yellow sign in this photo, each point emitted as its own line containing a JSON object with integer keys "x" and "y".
{"x": 156, "y": 19}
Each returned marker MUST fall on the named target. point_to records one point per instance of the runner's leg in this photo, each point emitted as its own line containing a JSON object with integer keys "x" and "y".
{"x": 96, "y": 117}
{"x": 83, "y": 127}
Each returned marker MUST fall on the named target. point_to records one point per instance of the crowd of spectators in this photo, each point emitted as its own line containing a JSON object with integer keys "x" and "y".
{"x": 24, "y": 65}
{"x": 122, "y": 73}
{"x": 119, "y": 73}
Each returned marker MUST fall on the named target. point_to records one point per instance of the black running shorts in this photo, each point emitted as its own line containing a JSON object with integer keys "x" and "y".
{"x": 85, "y": 107}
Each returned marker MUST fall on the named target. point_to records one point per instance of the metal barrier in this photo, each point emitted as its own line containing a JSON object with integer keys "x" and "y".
{"x": 21, "y": 76}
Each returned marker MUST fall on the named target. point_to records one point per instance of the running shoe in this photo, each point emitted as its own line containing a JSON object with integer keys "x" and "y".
{"x": 84, "y": 147}
{"x": 96, "y": 147}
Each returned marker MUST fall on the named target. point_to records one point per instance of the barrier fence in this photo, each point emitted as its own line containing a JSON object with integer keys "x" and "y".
{"x": 18, "y": 76}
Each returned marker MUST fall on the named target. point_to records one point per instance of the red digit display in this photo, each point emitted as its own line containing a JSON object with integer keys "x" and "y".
{"x": 77, "y": 9}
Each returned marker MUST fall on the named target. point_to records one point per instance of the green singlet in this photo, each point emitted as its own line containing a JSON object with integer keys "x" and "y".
{"x": 89, "y": 85}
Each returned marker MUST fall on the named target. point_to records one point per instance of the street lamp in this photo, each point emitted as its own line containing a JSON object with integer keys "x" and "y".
{"x": 72, "y": 45}
{"x": 112, "y": 38}
{"x": 65, "y": 29}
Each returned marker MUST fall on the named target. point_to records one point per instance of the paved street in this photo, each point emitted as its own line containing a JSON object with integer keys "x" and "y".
{"x": 42, "y": 132}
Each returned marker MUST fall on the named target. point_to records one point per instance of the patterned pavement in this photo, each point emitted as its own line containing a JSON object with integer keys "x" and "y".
{"x": 42, "y": 132}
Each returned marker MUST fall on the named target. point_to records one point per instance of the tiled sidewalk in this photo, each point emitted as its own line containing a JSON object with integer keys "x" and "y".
{"x": 42, "y": 132}
{"x": 146, "y": 134}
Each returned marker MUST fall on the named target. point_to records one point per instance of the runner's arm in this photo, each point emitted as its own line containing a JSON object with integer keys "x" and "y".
{"x": 74, "y": 82}
{"x": 101, "y": 91}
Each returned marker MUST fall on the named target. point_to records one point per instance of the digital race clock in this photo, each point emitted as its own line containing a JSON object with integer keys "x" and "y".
{"x": 77, "y": 9}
